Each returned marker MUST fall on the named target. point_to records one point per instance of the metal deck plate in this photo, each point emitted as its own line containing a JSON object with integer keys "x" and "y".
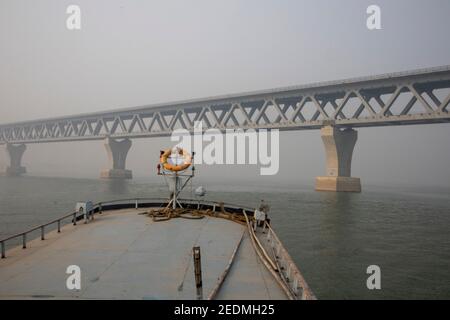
{"x": 124, "y": 255}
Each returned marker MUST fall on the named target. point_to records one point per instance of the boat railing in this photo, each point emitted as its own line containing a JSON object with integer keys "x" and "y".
{"x": 278, "y": 261}
{"x": 98, "y": 208}
{"x": 74, "y": 215}
{"x": 287, "y": 268}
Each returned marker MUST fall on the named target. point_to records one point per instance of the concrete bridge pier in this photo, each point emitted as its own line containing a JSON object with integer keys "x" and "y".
{"x": 339, "y": 145}
{"x": 15, "y": 153}
{"x": 117, "y": 154}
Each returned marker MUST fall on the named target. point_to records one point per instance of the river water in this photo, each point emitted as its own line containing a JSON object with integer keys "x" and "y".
{"x": 333, "y": 237}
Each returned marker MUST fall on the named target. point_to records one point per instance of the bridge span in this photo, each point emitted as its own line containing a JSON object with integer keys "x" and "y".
{"x": 336, "y": 108}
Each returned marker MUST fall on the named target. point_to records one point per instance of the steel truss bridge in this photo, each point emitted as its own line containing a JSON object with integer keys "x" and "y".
{"x": 415, "y": 97}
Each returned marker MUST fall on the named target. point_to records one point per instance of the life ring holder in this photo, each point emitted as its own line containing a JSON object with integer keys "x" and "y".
{"x": 175, "y": 168}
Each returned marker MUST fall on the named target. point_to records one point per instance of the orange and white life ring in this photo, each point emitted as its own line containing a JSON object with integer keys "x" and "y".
{"x": 176, "y": 159}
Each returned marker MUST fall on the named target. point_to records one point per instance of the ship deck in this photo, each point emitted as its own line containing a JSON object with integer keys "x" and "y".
{"x": 125, "y": 255}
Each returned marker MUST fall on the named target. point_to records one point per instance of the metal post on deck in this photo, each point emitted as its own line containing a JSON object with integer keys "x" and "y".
{"x": 136, "y": 205}
{"x": 59, "y": 226}
{"x": 75, "y": 219}
{"x": 3, "y": 250}
{"x": 288, "y": 271}
{"x": 295, "y": 286}
{"x": 278, "y": 250}
{"x": 42, "y": 233}
{"x": 174, "y": 204}
{"x": 24, "y": 241}
{"x": 198, "y": 272}
{"x": 303, "y": 293}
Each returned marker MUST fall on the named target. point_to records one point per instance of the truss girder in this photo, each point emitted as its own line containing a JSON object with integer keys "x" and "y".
{"x": 396, "y": 99}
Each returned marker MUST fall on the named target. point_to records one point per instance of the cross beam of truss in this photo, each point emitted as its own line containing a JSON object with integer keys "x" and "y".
{"x": 416, "y": 97}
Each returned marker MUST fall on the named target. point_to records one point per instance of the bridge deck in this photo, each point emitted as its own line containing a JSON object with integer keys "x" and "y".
{"x": 415, "y": 97}
{"x": 124, "y": 255}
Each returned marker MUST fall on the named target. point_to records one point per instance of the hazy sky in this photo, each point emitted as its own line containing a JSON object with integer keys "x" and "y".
{"x": 131, "y": 53}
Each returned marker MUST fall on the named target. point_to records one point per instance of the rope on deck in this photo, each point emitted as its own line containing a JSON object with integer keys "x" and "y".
{"x": 165, "y": 214}
{"x": 266, "y": 260}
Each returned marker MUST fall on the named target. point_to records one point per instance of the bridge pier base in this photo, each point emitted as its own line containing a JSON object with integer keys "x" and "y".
{"x": 117, "y": 154}
{"x": 339, "y": 145}
{"x": 15, "y": 153}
